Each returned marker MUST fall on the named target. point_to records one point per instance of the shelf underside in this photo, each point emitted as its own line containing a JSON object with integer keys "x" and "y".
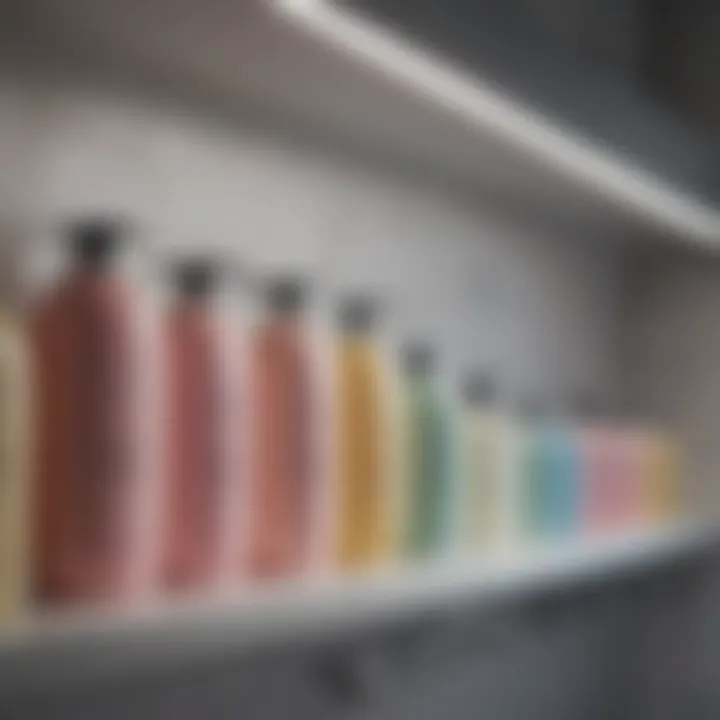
{"x": 303, "y": 65}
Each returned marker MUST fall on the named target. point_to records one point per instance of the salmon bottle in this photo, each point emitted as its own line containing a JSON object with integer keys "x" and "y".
{"x": 364, "y": 437}
{"x": 284, "y": 483}
{"x": 201, "y": 480}
{"x": 92, "y": 393}
{"x": 14, "y": 480}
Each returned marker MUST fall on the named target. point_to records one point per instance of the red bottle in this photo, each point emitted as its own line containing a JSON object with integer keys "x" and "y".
{"x": 284, "y": 486}
{"x": 92, "y": 387}
{"x": 201, "y": 477}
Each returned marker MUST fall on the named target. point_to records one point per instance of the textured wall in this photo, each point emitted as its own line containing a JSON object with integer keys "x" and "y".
{"x": 490, "y": 288}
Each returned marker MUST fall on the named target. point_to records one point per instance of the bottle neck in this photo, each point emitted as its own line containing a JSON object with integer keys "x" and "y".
{"x": 194, "y": 303}
{"x": 93, "y": 273}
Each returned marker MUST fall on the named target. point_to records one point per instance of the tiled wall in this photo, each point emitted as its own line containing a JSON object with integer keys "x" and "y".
{"x": 542, "y": 305}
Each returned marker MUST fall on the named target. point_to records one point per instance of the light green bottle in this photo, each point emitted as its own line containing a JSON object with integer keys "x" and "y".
{"x": 532, "y": 469}
{"x": 433, "y": 496}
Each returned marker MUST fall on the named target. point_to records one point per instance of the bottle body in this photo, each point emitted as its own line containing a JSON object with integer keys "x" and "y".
{"x": 283, "y": 493}
{"x": 564, "y": 480}
{"x": 365, "y": 505}
{"x": 533, "y": 478}
{"x": 626, "y": 478}
{"x": 639, "y": 449}
{"x": 202, "y": 482}
{"x": 15, "y": 488}
{"x": 432, "y": 470}
{"x": 599, "y": 462}
{"x": 490, "y": 468}
{"x": 90, "y": 414}
{"x": 554, "y": 473}
{"x": 613, "y": 468}
{"x": 661, "y": 486}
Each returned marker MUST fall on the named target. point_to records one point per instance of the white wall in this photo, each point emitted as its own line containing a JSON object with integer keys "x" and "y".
{"x": 488, "y": 288}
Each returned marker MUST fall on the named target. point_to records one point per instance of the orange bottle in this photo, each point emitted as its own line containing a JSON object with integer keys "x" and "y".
{"x": 90, "y": 383}
{"x": 200, "y": 396}
{"x": 662, "y": 491}
{"x": 285, "y": 473}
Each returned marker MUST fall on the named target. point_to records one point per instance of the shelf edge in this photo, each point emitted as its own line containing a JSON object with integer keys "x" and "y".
{"x": 468, "y": 98}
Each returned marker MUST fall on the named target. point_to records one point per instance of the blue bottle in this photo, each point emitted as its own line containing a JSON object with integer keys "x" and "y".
{"x": 552, "y": 474}
{"x": 563, "y": 477}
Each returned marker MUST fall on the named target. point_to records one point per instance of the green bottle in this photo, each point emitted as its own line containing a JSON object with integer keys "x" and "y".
{"x": 431, "y": 465}
{"x": 533, "y": 469}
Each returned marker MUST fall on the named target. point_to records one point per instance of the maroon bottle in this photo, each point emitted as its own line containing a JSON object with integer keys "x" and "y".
{"x": 91, "y": 387}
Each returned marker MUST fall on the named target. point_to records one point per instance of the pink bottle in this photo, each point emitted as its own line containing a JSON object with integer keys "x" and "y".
{"x": 636, "y": 446}
{"x": 615, "y": 452}
{"x": 603, "y": 469}
{"x": 202, "y": 481}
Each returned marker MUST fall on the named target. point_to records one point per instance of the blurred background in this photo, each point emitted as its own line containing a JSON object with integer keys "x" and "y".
{"x": 532, "y": 185}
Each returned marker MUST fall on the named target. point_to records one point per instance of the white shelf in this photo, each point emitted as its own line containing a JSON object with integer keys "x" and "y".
{"x": 79, "y": 647}
{"x": 359, "y": 88}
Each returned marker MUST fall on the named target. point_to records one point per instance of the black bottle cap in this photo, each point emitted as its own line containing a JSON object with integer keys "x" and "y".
{"x": 286, "y": 294}
{"x": 418, "y": 358}
{"x": 480, "y": 388}
{"x": 196, "y": 277}
{"x": 96, "y": 241}
{"x": 358, "y": 314}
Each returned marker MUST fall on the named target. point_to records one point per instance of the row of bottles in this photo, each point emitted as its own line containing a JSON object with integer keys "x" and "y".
{"x": 539, "y": 476}
{"x": 178, "y": 450}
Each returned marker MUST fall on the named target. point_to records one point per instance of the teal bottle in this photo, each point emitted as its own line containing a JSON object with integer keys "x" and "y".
{"x": 564, "y": 478}
{"x": 553, "y": 475}
{"x": 431, "y": 462}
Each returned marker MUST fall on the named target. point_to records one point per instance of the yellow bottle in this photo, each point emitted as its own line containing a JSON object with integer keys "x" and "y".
{"x": 14, "y": 481}
{"x": 662, "y": 477}
{"x": 366, "y": 505}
